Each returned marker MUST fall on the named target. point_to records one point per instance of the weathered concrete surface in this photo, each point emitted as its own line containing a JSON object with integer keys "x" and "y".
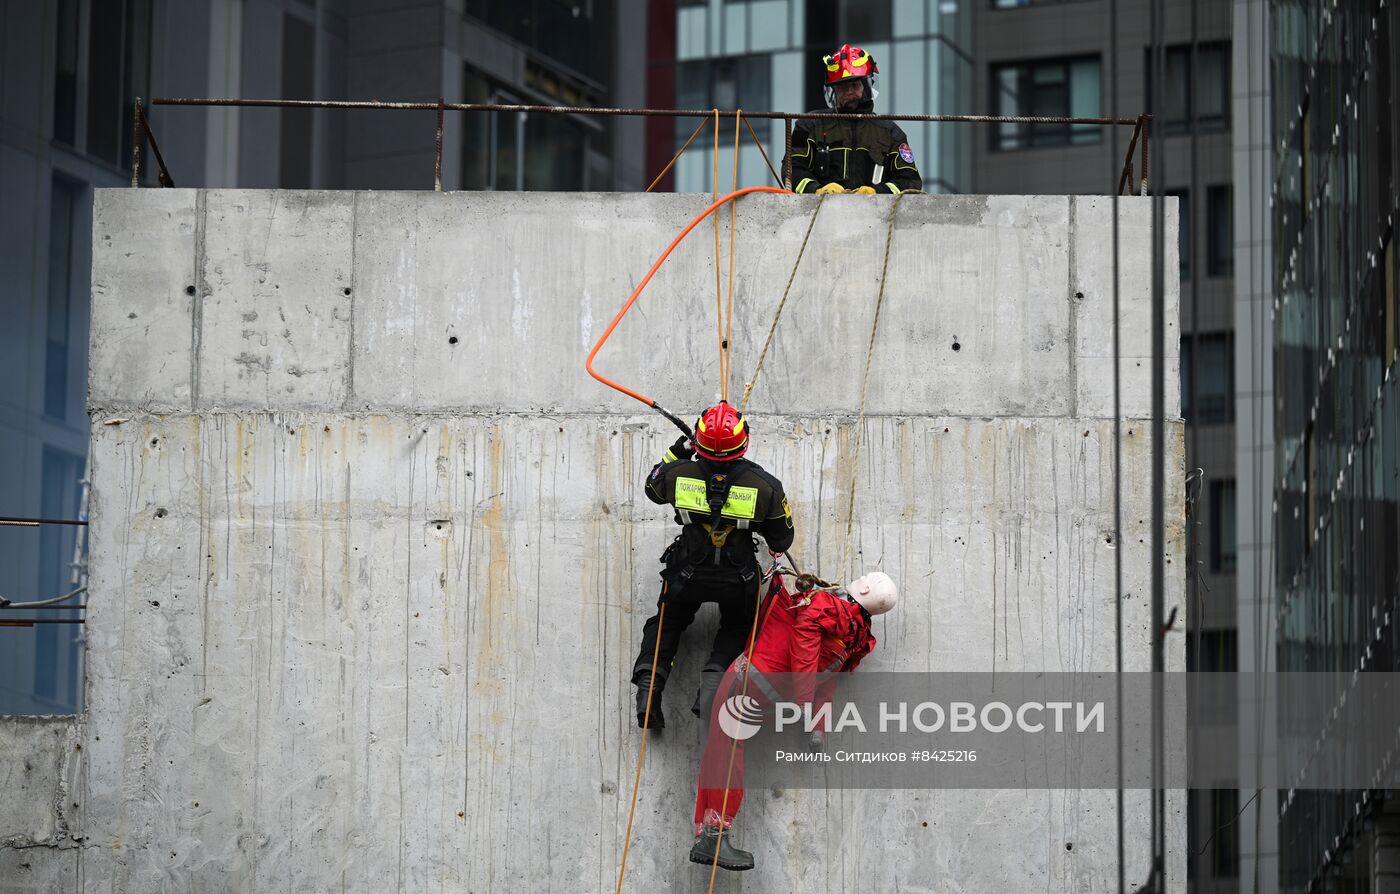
{"x": 40, "y": 764}
{"x": 365, "y": 600}
{"x": 38, "y": 778}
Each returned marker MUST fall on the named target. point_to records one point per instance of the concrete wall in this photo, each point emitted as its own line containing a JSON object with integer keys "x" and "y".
{"x": 40, "y": 810}
{"x": 370, "y": 560}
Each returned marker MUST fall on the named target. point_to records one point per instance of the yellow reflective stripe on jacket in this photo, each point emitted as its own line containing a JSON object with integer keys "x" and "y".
{"x": 806, "y": 181}
{"x": 894, "y": 190}
{"x": 690, "y": 496}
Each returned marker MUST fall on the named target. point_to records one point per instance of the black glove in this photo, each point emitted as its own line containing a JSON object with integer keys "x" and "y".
{"x": 682, "y": 449}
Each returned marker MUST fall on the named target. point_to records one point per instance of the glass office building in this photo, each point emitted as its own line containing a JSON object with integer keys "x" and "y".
{"x": 1337, "y": 410}
{"x": 766, "y": 55}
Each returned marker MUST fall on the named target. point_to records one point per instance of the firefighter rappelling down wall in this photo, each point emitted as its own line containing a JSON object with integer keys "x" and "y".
{"x": 374, "y": 564}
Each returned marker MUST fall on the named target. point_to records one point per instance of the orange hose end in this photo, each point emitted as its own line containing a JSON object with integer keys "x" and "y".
{"x": 636, "y": 293}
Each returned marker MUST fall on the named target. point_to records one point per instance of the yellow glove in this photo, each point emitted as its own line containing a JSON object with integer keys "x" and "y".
{"x": 831, "y": 188}
{"x": 866, "y": 191}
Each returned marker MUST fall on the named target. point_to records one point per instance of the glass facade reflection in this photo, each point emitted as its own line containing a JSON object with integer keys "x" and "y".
{"x": 1337, "y": 411}
{"x": 765, "y": 55}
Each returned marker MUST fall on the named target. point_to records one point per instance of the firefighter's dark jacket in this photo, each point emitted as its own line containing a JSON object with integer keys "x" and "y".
{"x": 847, "y": 152}
{"x": 755, "y": 505}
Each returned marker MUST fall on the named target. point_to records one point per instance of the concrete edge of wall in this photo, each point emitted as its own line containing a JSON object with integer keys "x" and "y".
{"x": 41, "y": 806}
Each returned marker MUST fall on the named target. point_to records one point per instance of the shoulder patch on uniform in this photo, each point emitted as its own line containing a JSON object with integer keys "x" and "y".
{"x": 906, "y": 153}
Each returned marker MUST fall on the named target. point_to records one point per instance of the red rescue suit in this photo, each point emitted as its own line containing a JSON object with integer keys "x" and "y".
{"x": 815, "y": 634}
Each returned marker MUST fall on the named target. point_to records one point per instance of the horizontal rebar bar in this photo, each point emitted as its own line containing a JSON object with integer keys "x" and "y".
{"x": 602, "y": 110}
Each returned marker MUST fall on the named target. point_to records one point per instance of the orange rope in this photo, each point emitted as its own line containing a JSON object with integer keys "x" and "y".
{"x": 719, "y": 303}
{"x": 729, "y": 314}
{"x": 675, "y": 158}
{"x": 637, "y": 292}
{"x": 646, "y": 722}
{"x": 734, "y": 743}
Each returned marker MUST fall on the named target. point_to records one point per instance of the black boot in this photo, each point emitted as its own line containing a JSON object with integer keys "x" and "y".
{"x": 730, "y": 857}
{"x": 644, "y": 682}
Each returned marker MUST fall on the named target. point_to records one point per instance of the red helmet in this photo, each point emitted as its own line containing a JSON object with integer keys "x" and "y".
{"x": 720, "y": 433}
{"x": 849, "y": 62}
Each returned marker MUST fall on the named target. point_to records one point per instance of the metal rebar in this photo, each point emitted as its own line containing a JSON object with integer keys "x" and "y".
{"x": 30, "y": 622}
{"x": 1126, "y": 179}
{"x": 1146, "y": 136}
{"x": 47, "y": 608}
{"x": 604, "y": 110}
{"x": 787, "y": 153}
{"x": 162, "y": 173}
{"x": 437, "y": 177}
{"x": 136, "y": 144}
{"x": 34, "y": 522}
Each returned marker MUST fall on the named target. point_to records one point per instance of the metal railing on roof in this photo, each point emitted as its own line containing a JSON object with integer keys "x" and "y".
{"x": 142, "y": 132}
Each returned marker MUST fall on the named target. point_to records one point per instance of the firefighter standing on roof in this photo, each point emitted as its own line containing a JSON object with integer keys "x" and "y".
{"x": 847, "y": 155}
{"x": 721, "y": 500}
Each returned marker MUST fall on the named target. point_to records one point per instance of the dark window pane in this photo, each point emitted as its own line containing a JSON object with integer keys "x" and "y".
{"x": 556, "y": 153}
{"x": 1176, "y": 105}
{"x": 1049, "y": 88}
{"x": 298, "y": 82}
{"x": 1212, "y": 651}
{"x": 563, "y": 30}
{"x": 1202, "y": 84}
{"x": 65, "y": 93}
{"x": 63, "y": 206}
{"x": 1213, "y": 85}
{"x": 1183, "y": 234}
{"x": 1220, "y": 231}
{"x": 57, "y": 646}
{"x": 1223, "y": 552}
{"x": 865, "y": 21}
{"x": 1224, "y": 809}
{"x": 1208, "y": 361}
{"x": 104, "y": 80}
{"x": 476, "y": 133}
{"x": 119, "y": 50}
{"x": 732, "y": 82}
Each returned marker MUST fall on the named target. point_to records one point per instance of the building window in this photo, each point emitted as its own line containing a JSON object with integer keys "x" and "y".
{"x": 1223, "y": 552}
{"x": 563, "y": 31}
{"x": 1212, "y": 651}
{"x": 865, "y": 21}
{"x": 298, "y": 82}
{"x": 1183, "y": 233}
{"x": 57, "y": 648}
{"x": 1225, "y": 846}
{"x": 1208, "y": 361}
{"x": 1055, "y": 88}
{"x": 93, "y": 90}
{"x": 1220, "y": 231}
{"x": 732, "y": 82}
{"x": 65, "y": 88}
{"x": 118, "y": 69}
{"x": 1305, "y": 160}
{"x": 1018, "y": 4}
{"x": 1391, "y": 317}
{"x": 63, "y": 207}
{"x": 519, "y": 151}
{"x": 1202, "y": 85}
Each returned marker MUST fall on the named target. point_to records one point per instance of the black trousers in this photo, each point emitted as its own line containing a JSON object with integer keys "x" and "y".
{"x": 738, "y": 603}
